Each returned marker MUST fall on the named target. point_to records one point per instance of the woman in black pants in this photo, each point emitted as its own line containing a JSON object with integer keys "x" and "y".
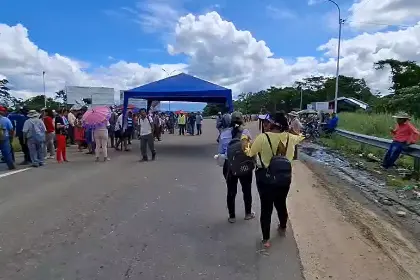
{"x": 236, "y": 130}
{"x": 273, "y": 195}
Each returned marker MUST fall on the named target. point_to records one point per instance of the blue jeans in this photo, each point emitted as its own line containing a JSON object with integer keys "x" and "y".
{"x": 7, "y": 153}
{"x": 36, "y": 151}
{"x": 393, "y": 153}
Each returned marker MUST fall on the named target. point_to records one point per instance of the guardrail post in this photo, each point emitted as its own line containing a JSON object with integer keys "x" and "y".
{"x": 416, "y": 168}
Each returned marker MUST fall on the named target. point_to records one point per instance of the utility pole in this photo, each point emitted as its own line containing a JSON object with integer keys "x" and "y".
{"x": 337, "y": 74}
{"x": 43, "y": 82}
{"x": 301, "y": 98}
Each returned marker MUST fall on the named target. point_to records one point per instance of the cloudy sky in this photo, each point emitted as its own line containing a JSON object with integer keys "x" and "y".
{"x": 245, "y": 45}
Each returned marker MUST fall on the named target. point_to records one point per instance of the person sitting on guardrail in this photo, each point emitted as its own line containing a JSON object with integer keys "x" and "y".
{"x": 332, "y": 123}
{"x": 404, "y": 134}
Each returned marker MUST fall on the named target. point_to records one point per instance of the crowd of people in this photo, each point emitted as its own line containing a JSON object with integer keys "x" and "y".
{"x": 47, "y": 134}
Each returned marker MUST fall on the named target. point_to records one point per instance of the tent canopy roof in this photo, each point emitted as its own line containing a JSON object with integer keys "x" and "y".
{"x": 181, "y": 87}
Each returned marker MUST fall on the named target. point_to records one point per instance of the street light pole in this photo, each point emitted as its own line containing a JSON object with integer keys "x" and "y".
{"x": 43, "y": 82}
{"x": 337, "y": 74}
{"x": 301, "y": 98}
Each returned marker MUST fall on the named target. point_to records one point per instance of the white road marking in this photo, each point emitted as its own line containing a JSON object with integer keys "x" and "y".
{"x": 13, "y": 172}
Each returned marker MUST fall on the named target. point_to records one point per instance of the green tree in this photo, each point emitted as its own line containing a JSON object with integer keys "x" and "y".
{"x": 403, "y": 73}
{"x": 61, "y": 95}
{"x": 38, "y": 102}
{"x": 6, "y": 99}
{"x": 212, "y": 109}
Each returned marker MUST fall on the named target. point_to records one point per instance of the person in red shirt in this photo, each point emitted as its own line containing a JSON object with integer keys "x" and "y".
{"x": 404, "y": 134}
{"x": 50, "y": 133}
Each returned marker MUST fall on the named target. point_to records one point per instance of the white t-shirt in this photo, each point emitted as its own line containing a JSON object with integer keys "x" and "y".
{"x": 71, "y": 118}
{"x": 145, "y": 127}
{"x": 119, "y": 123}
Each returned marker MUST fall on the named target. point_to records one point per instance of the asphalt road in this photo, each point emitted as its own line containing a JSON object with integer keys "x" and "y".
{"x": 128, "y": 220}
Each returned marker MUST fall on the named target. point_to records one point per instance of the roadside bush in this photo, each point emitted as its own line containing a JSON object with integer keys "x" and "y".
{"x": 378, "y": 125}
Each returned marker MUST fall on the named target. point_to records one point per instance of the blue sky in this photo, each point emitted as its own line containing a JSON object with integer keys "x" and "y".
{"x": 100, "y": 33}
{"x": 86, "y": 30}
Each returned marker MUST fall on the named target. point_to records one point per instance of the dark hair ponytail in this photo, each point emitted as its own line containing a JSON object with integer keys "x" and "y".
{"x": 236, "y": 128}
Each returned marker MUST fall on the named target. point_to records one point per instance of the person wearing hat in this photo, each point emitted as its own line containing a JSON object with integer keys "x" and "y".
{"x": 236, "y": 130}
{"x": 404, "y": 134}
{"x": 6, "y": 137}
{"x": 295, "y": 124}
{"x": 34, "y": 131}
{"x": 276, "y": 141}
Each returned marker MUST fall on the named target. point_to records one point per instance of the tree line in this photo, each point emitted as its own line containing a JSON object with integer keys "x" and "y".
{"x": 33, "y": 103}
{"x": 404, "y": 92}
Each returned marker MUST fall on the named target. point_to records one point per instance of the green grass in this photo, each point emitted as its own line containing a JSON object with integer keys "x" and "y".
{"x": 378, "y": 125}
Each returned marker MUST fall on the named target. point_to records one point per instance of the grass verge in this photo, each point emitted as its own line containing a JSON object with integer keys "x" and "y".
{"x": 378, "y": 125}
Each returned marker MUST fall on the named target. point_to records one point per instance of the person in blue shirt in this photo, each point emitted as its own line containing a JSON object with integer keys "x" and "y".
{"x": 6, "y": 135}
{"x": 18, "y": 119}
{"x": 332, "y": 123}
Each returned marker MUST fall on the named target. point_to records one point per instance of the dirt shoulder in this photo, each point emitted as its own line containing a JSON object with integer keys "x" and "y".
{"x": 340, "y": 238}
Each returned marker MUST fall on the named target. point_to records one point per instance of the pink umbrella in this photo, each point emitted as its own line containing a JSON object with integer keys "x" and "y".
{"x": 96, "y": 116}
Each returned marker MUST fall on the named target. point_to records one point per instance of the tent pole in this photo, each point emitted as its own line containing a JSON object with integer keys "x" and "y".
{"x": 125, "y": 105}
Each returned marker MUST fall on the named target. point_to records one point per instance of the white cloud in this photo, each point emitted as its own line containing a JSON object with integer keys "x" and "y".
{"x": 379, "y": 14}
{"x": 216, "y": 51}
{"x": 280, "y": 13}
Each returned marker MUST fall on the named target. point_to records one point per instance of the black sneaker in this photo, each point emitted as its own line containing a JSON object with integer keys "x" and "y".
{"x": 144, "y": 159}
{"x": 154, "y": 156}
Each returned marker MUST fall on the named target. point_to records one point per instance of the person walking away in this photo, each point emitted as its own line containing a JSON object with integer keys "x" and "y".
{"x": 50, "y": 134}
{"x": 60, "y": 135}
{"x": 35, "y": 133}
{"x": 130, "y": 127}
{"x": 171, "y": 123}
{"x": 6, "y": 138}
{"x": 223, "y": 122}
{"x": 198, "y": 121}
{"x": 111, "y": 130}
{"x": 181, "y": 123}
{"x": 120, "y": 129}
{"x": 79, "y": 132}
{"x": 274, "y": 151}
{"x": 100, "y": 135}
{"x": 191, "y": 123}
{"x": 146, "y": 136}
{"x": 295, "y": 128}
{"x": 404, "y": 134}
{"x": 237, "y": 166}
{"x": 71, "y": 119}
{"x": 18, "y": 120}
{"x": 156, "y": 126}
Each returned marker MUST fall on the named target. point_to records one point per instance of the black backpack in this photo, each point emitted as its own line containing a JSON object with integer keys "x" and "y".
{"x": 279, "y": 172}
{"x": 239, "y": 163}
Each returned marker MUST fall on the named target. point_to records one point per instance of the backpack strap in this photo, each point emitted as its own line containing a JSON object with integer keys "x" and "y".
{"x": 269, "y": 143}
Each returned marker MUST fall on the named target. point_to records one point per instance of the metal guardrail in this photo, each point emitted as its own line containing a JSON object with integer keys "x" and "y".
{"x": 412, "y": 150}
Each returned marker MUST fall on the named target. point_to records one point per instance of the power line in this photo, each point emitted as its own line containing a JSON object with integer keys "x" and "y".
{"x": 362, "y": 4}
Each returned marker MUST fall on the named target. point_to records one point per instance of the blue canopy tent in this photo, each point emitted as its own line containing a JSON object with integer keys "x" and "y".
{"x": 181, "y": 87}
